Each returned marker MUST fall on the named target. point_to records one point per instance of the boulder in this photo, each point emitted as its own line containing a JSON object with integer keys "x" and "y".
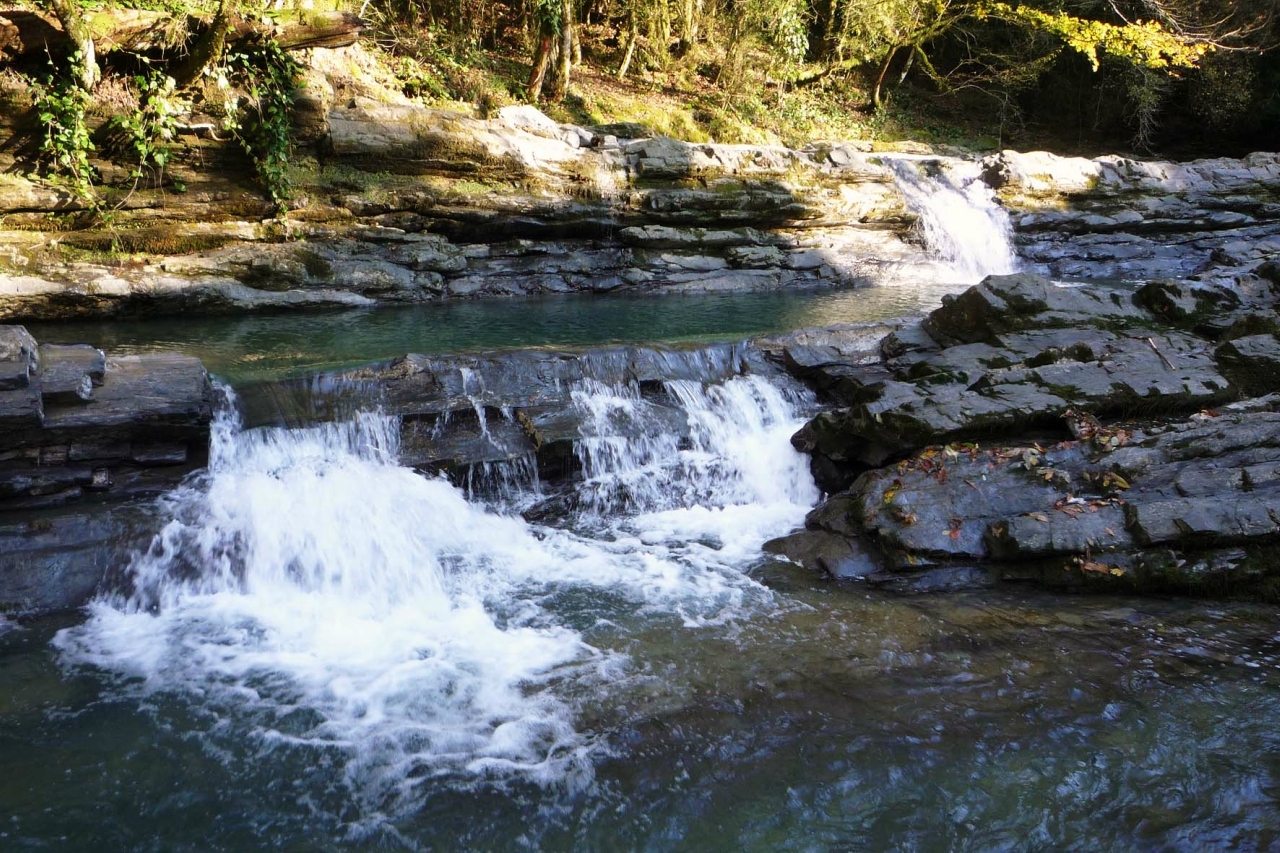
{"x": 836, "y": 556}
{"x": 1014, "y": 303}
{"x": 1252, "y": 362}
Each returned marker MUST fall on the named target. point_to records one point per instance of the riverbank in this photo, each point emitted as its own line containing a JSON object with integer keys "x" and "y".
{"x": 398, "y": 203}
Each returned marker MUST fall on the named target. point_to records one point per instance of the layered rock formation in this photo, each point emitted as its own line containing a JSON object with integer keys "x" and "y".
{"x": 399, "y": 203}
{"x": 1029, "y": 431}
{"x": 1119, "y": 218}
{"x": 84, "y": 439}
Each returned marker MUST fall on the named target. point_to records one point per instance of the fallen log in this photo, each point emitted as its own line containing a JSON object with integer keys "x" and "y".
{"x": 26, "y": 33}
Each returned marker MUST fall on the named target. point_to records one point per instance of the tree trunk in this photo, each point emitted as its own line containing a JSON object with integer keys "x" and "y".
{"x": 566, "y": 51}
{"x": 632, "y": 38}
{"x": 25, "y": 33}
{"x": 877, "y": 93}
{"x": 207, "y": 49}
{"x": 77, "y": 29}
{"x": 541, "y": 58}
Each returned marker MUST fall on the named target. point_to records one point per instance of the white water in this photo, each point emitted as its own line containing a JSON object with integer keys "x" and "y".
{"x": 307, "y": 577}
{"x": 960, "y": 222}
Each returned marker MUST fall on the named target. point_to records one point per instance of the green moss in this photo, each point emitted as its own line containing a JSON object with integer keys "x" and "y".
{"x": 111, "y": 244}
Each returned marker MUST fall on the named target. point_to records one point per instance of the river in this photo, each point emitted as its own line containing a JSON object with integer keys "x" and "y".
{"x": 324, "y": 650}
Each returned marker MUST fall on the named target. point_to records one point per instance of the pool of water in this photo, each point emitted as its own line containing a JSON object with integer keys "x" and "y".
{"x": 272, "y": 346}
{"x": 832, "y": 720}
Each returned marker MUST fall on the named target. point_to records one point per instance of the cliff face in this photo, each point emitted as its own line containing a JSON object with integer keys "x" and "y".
{"x": 398, "y": 203}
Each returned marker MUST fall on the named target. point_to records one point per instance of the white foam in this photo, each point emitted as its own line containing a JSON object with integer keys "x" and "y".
{"x": 307, "y": 570}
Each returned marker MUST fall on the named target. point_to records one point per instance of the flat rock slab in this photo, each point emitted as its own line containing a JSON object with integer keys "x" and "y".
{"x": 143, "y": 391}
{"x": 1094, "y": 509}
{"x": 68, "y": 373}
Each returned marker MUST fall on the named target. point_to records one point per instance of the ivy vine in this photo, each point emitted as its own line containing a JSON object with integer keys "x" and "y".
{"x": 61, "y": 106}
{"x": 269, "y": 75}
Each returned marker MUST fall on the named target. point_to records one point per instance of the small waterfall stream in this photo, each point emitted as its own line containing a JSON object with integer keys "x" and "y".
{"x": 317, "y": 594}
{"x": 960, "y": 221}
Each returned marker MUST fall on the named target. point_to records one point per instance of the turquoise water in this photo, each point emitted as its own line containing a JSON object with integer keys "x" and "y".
{"x": 270, "y": 346}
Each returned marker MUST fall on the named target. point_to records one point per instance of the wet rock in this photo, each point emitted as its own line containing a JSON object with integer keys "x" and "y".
{"x": 1014, "y": 303}
{"x": 80, "y": 446}
{"x": 1083, "y": 511}
{"x": 934, "y": 580}
{"x": 458, "y": 412}
{"x": 19, "y": 357}
{"x": 68, "y": 373}
{"x": 56, "y": 560}
{"x": 1199, "y": 308}
{"x": 836, "y": 556}
{"x": 21, "y": 409}
{"x": 1024, "y": 353}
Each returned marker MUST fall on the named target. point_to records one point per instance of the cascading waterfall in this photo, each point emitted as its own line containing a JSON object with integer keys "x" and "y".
{"x": 734, "y": 451}
{"x": 960, "y": 221}
{"x": 330, "y": 599}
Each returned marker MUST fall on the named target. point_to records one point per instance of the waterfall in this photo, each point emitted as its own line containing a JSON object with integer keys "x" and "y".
{"x": 326, "y": 598}
{"x": 960, "y": 220}
{"x": 732, "y": 450}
